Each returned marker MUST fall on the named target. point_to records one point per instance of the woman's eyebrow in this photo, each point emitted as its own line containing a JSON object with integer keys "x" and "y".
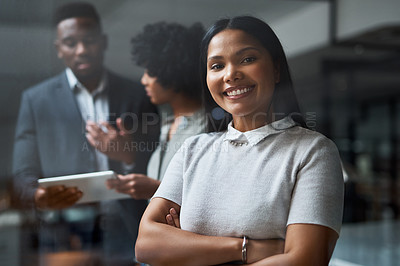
{"x": 214, "y": 57}
{"x": 241, "y": 51}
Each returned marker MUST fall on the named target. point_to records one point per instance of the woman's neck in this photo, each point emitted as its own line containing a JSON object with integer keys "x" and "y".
{"x": 181, "y": 106}
{"x": 247, "y": 123}
{"x": 184, "y": 106}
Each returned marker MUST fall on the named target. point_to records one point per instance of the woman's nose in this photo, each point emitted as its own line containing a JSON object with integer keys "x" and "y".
{"x": 143, "y": 80}
{"x": 232, "y": 73}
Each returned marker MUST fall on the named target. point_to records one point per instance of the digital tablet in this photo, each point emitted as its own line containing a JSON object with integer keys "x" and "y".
{"x": 93, "y": 185}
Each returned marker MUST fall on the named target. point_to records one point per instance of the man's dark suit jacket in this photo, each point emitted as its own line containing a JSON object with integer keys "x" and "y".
{"x": 50, "y": 135}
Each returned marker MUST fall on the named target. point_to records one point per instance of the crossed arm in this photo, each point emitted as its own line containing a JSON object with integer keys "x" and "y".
{"x": 159, "y": 243}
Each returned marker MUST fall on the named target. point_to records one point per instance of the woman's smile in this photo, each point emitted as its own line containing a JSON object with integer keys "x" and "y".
{"x": 238, "y": 92}
{"x": 241, "y": 76}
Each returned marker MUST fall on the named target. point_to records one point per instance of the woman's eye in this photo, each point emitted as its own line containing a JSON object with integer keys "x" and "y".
{"x": 249, "y": 59}
{"x": 216, "y": 66}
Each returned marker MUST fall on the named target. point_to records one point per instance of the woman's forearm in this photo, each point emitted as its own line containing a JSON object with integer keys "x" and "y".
{"x": 306, "y": 245}
{"x": 290, "y": 259}
{"x": 161, "y": 244}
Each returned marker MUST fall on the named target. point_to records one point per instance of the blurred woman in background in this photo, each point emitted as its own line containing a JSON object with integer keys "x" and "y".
{"x": 170, "y": 53}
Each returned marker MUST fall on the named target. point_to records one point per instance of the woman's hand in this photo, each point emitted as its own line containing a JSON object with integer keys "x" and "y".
{"x": 137, "y": 186}
{"x": 172, "y": 218}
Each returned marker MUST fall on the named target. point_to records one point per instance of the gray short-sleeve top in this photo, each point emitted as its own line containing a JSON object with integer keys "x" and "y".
{"x": 257, "y": 182}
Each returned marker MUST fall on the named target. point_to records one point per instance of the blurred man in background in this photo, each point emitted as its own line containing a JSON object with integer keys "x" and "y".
{"x": 51, "y": 140}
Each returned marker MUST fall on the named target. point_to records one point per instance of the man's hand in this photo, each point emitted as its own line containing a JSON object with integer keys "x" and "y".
{"x": 57, "y": 197}
{"x": 138, "y": 186}
{"x": 110, "y": 141}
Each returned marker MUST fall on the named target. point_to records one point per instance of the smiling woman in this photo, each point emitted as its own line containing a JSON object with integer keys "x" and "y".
{"x": 241, "y": 76}
{"x": 263, "y": 40}
{"x": 266, "y": 191}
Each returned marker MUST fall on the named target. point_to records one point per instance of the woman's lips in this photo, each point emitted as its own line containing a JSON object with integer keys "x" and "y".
{"x": 238, "y": 92}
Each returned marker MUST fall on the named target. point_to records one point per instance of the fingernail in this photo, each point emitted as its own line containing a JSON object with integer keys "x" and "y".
{"x": 173, "y": 211}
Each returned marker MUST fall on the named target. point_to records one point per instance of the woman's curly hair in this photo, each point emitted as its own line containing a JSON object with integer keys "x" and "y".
{"x": 170, "y": 52}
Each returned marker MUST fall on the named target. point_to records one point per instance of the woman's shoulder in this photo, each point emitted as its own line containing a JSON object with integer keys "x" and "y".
{"x": 309, "y": 138}
{"x": 310, "y": 143}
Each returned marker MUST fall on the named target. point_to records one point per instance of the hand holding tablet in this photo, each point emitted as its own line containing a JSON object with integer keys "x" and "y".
{"x": 92, "y": 185}
{"x": 56, "y": 197}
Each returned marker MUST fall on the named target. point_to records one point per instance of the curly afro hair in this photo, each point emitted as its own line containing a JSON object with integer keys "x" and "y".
{"x": 171, "y": 53}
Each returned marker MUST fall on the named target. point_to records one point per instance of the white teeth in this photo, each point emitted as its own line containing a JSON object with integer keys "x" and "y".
{"x": 237, "y": 92}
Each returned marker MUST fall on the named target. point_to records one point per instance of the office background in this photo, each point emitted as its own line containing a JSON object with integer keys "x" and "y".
{"x": 345, "y": 61}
